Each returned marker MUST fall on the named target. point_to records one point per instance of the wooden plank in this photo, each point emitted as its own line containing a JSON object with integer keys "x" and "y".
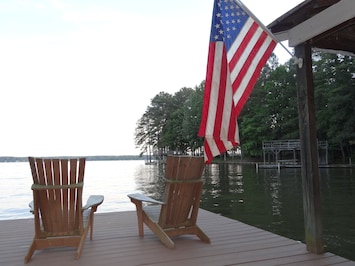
{"x": 116, "y": 242}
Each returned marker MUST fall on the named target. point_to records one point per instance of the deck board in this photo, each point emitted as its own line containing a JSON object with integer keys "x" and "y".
{"x": 116, "y": 242}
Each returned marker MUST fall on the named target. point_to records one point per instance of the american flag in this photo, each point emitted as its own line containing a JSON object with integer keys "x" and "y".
{"x": 239, "y": 48}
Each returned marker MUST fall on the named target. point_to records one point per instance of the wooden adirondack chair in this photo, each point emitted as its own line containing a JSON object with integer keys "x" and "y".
{"x": 59, "y": 217}
{"x": 179, "y": 209}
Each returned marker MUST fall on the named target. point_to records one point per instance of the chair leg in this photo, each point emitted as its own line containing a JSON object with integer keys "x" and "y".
{"x": 30, "y": 252}
{"x": 83, "y": 239}
{"x": 202, "y": 235}
{"x": 79, "y": 250}
{"x": 140, "y": 223}
{"x": 91, "y": 224}
{"x": 159, "y": 232}
{"x": 139, "y": 210}
{"x": 81, "y": 243}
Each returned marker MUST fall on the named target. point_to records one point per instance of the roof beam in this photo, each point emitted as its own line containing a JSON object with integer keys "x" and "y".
{"x": 321, "y": 3}
{"x": 323, "y": 21}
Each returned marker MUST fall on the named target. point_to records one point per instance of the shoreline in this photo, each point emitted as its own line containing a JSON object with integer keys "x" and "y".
{"x": 258, "y": 164}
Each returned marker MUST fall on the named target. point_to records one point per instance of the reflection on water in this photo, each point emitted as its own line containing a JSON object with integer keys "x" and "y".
{"x": 150, "y": 180}
{"x": 265, "y": 199}
{"x": 272, "y": 200}
{"x": 338, "y": 191}
{"x": 268, "y": 199}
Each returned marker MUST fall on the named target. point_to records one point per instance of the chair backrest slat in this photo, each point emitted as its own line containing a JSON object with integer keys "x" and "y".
{"x": 72, "y": 201}
{"x": 65, "y": 204}
{"x": 57, "y": 195}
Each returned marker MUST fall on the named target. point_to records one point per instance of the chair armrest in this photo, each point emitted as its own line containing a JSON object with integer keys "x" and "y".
{"x": 93, "y": 201}
{"x": 141, "y": 197}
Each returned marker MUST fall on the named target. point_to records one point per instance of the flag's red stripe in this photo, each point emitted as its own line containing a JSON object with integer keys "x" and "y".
{"x": 220, "y": 146}
{"x": 254, "y": 78}
{"x": 239, "y": 78}
{"x": 221, "y": 95}
{"x": 232, "y": 126}
{"x": 208, "y": 86}
{"x": 243, "y": 45}
{"x": 208, "y": 152}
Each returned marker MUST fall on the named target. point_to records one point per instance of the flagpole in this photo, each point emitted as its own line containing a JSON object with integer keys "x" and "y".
{"x": 298, "y": 61}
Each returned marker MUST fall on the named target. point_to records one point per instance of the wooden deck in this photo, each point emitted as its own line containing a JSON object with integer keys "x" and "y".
{"x": 116, "y": 242}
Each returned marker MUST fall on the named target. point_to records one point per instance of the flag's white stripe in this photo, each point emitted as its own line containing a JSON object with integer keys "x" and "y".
{"x": 261, "y": 52}
{"x": 228, "y": 145}
{"x": 227, "y": 108}
{"x": 213, "y": 147}
{"x": 243, "y": 58}
{"x": 214, "y": 97}
{"x": 214, "y": 92}
{"x": 205, "y": 156}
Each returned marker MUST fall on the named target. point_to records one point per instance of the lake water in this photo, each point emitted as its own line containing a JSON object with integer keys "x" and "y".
{"x": 113, "y": 179}
{"x": 267, "y": 199}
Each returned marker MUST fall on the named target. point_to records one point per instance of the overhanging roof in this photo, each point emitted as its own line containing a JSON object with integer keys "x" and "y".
{"x": 325, "y": 24}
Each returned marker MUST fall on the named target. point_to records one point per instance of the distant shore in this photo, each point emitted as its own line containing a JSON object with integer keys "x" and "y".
{"x": 12, "y": 159}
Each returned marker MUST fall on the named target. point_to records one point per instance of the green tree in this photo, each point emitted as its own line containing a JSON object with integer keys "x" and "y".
{"x": 334, "y": 82}
{"x": 281, "y": 98}
{"x": 172, "y": 132}
{"x": 143, "y": 134}
{"x": 149, "y": 128}
{"x": 192, "y": 117}
{"x": 171, "y": 122}
{"x": 271, "y": 110}
{"x": 180, "y": 131}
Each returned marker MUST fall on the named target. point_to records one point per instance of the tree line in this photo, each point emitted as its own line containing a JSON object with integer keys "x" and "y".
{"x": 171, "y": 121}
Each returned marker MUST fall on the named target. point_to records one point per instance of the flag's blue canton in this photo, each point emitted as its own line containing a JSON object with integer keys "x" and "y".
{"x": 228, "y": 19}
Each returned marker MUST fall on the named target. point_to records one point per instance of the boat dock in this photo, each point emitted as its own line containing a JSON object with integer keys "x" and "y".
{"x": 116, "y": 242}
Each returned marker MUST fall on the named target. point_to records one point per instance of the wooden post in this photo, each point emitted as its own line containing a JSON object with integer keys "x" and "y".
{"x": 309, "y": 157}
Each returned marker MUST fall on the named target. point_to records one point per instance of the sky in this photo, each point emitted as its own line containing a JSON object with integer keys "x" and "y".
{"x": 77, "y": 75}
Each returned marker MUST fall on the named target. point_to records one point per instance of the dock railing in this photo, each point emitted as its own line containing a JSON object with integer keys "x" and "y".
{"x": 276, "y": 147}
{"x": 290, "y": 144}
